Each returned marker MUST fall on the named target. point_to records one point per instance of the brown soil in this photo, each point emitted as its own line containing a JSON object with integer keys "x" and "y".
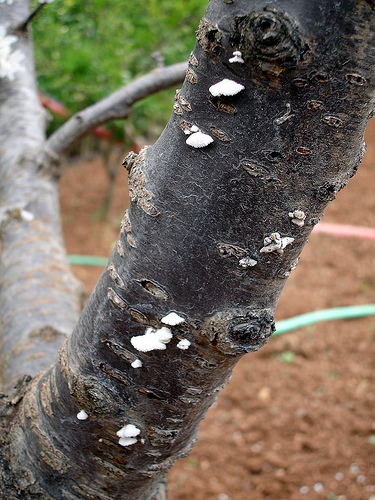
{"x": 297, "y": 419}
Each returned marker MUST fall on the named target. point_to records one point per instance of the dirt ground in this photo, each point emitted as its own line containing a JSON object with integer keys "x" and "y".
{"x": 297, "y": 419}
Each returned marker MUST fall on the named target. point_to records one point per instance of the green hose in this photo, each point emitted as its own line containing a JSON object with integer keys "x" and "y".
{"x": 290, "y": 324}
{"x": 283, "y": 326}
{"x": 87, "y": 260}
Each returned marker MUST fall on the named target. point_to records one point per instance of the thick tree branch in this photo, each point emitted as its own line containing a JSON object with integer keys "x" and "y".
{"x": 39, "y": 296}
{"x": 118, "y": 105}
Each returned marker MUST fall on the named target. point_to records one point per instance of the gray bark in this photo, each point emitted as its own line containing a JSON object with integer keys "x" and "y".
{"x": 211, "y": 235}
{"x": 39, "y": 296}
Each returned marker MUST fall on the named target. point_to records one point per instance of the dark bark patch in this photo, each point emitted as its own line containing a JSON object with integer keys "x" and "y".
{"x": 116, "y": 299}
{"x": 314, "y": 105}
{"x": 226, "y": 250}
{"x": 137, "y": 180}
{"x": 191, "y": 76}
{"x": 154, "y": 289}
{"x": 113, "y": 373}
{"x": 333, "y": 121}
{"x": 193, "y": 61}
{"x": 209, "y": 37}
{"x": 327, "y": 192}
{"x": 273, "y": 156}
{"x": 182, "y": 101}
{"x": 221, "y": 105}
{"x": 320, "y": 76}
{"x": 356, "y": 79}
{"x": 256, "y": 170}
{"x": 177, "y": 109}
{"x": 120, "y": 350}
{"x": 139, "y": 317}
{"x": 220, "y": 134}
{"x": 238, "y": 331}
{"x": 116, "y": 277}
{"x": 268, "y": 40}
{"x": 303, "y": 150}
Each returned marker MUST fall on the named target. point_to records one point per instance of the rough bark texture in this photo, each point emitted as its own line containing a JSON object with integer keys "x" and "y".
{"x": 212, "y": 234}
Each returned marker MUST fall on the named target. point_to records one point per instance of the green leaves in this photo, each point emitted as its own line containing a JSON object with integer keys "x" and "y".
{"x": 86, "y": 50}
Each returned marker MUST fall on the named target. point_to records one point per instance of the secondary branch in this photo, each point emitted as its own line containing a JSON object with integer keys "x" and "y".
{"x": 117, "y": 105}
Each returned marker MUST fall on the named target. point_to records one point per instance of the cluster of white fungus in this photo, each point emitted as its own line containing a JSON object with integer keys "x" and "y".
{"x": 226, "y": 88}
{"x": 156, "y": 339}
{"x": 10, "y": 62}
{"x": 127, "y": 435}
{"x": 152, "y": 340}
{"x": 275, "y": 243}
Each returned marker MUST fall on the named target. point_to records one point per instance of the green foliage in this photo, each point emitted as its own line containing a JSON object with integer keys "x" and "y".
{"x": 86, "y": 50}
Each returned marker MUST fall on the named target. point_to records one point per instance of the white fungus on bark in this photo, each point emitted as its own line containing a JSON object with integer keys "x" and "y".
{"x": 152, "y": 340}
{"x": 82, "y": 415}
{"x": 127, "y": 435}
{"x": 298, "y": 217}
{"x": 225, "y": 87}
{"x": 129, "y": 430}
{"x": 237, "y": 57}
{"x": 275, "y": 243}
{"x": 172, "y": 319}
{"x": 183, "y": 344}
{"x": 247, "y": 262}
{"x": 137, "y": 363}
{"x": 199, "y": 140}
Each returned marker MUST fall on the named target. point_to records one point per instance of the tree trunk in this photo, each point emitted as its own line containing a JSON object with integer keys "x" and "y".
{"x": 222, "y": 206}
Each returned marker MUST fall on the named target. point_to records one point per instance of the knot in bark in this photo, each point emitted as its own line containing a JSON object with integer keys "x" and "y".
{"x": 238, "y": 331}
{"x": 268, "y": 40}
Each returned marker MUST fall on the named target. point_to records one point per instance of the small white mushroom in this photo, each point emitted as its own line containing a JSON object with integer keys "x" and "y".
{"x": 82, "y": 415}
{"x": 194, "y": 128}
{"x": 226, "y": 87}
{"x": 152, "y": 340}
{"x": 183, "y": 344}
{"x": 298, "y": 217}
{"x": 137, "y": 363}
{"x": 237, "y": 57}
{"x": 247, "y": 262}
{"x": 275, "y": 243}
{"x": 172, "y": 319}
{"x": 199, "y": 140}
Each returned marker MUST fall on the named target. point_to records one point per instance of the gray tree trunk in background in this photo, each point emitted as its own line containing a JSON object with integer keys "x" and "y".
{"x": 266, "y": 129}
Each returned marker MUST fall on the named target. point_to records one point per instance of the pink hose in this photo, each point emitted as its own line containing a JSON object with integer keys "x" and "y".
{"x": 345, "y": 230}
